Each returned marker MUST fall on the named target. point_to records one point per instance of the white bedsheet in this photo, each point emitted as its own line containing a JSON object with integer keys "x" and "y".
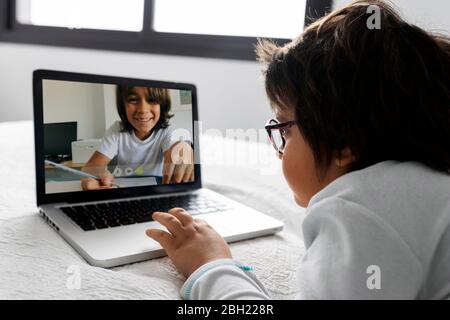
{"x": 34, "y": 259}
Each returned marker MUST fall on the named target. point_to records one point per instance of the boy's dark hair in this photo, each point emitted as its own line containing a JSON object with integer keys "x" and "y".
{"x": 159, "y": 96}
{"x": 384, "y": 93}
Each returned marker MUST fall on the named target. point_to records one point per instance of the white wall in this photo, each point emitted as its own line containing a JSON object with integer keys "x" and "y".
{"x": 182, "y": 116}
{"x": 230, "y": 93}
{"x": 109, "y": 98}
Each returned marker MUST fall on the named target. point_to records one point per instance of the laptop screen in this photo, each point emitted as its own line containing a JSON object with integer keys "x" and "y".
{"x": 100, "y": 136}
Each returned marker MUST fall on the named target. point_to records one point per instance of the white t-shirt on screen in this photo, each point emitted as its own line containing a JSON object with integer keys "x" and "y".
{"x": 136, "y": 156}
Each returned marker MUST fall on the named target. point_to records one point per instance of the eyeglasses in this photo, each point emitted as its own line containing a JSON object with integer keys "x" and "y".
{"x": 276, "y": 132}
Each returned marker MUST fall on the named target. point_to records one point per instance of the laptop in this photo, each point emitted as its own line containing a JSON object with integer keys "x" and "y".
{"x": 107, "y": 226}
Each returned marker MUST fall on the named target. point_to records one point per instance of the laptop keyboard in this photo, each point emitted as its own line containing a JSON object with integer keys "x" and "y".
{"x": 114, "y": 214}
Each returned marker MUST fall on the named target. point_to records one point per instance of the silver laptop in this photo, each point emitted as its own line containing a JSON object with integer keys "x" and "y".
{"x": 79, "y": 115}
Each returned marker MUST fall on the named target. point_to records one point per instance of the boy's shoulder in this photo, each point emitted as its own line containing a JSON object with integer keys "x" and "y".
{"x": 115, "y": 128}
{"x": 387, "y": 179}
{"x": 403, "y": 196}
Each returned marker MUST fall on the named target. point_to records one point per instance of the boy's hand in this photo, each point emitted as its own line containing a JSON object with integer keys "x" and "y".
{"x": 178, "y": 163}
{"x": 106, "y": 182}
{"x": 191, "y": 242}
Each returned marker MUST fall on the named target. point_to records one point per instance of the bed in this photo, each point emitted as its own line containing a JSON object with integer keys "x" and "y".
{"x": 36, "y": 263}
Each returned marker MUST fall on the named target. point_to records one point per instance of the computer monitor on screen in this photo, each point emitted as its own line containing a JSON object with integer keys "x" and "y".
{"x": 58, "y": 139}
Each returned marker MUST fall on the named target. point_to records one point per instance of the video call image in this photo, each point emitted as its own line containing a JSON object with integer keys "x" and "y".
{"x": 103, "y": 136}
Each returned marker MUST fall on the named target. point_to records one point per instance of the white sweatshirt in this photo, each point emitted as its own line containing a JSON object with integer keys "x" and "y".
{"x": 378, "y": 233}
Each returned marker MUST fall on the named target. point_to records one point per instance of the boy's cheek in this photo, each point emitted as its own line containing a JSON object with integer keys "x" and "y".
{"x": 299, "y": 174}
{"x": 292, "y": 176}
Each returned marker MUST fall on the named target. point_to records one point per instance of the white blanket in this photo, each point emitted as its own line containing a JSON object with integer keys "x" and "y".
{"x": 35, "y": 261}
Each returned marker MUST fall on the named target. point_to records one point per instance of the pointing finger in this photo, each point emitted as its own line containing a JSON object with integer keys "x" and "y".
{"x": 170, "y": 222}
{"x": 163, "y": 238}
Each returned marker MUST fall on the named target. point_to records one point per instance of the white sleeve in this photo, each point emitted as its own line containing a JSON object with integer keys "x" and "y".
{"x": 353, "y": 254}
{"x": 110, "y": 142}
{"x": 223, "y": 279}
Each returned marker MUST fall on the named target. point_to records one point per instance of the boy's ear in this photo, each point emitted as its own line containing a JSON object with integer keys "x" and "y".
{"x": 345, "y": 158}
